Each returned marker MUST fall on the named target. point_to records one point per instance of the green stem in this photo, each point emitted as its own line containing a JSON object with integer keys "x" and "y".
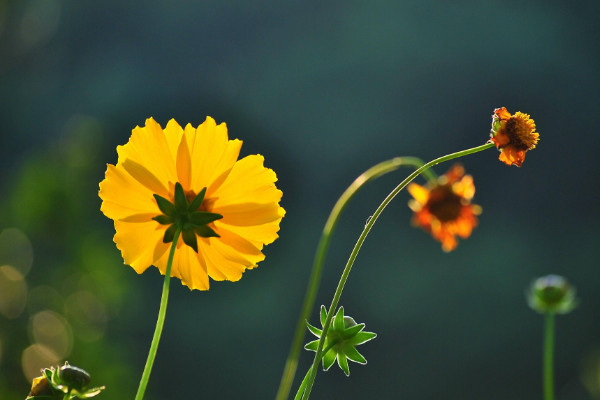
{"x": 162, "y": 312}
{"x": 549, "y": 357}
{"x": 305, "y": 380}
{"x": 361, "y": 239}
{"x": 372, "y": 173}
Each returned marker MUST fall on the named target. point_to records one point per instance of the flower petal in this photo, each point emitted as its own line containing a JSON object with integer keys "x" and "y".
{"x": 138, "y": 242}
{"x": 210, "y": 167}
{"x": 123, "y": 196}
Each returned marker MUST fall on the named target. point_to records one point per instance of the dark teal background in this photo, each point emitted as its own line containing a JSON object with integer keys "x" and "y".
{"x": 323, "y": 90}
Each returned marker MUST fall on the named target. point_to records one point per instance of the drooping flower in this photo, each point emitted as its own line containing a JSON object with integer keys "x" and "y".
{"x": 227, "y": 209}
{"x": 343, "y": 336}
{"x": 513, "y": 135}
{"x": 444, "y": 208}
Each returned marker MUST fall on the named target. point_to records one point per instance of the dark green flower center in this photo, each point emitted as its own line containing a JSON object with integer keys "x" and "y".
{"x": 185, "y": 214}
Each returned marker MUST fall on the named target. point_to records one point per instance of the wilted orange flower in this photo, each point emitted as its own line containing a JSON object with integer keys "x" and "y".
{"x": 227, "y": 209}
{"x": 513, "y": 135}
{"x": 444, "y": 208}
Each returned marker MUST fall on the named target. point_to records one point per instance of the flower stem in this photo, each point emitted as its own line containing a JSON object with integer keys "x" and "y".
{"x": 549, "y": 357}
{"x": 309, "y": 298}
{"x": 159, "y": 323}
{"x": 305, "y": 380}
{"x": 360, "y": 241}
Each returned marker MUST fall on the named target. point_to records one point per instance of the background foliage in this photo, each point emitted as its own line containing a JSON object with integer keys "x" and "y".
{"x": 324, "y": 90}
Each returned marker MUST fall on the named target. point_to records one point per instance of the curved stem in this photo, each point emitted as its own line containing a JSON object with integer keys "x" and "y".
{"x": 361, "y": 239}
{"x": 159, "y": 323}
{"x": 549, "y": 357}
{"x": 372, "y": 173}
{"x": 305, "y": 380}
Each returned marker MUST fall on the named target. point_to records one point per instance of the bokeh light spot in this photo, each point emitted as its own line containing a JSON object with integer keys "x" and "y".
{"x": 36, "y": 357}
{"x": 13, "y": 292}
{"x": 87, "y": 314}
{"x": 44, "y": 297}
{"x": 53, "y": 331}
{"x": 16, "y": 250}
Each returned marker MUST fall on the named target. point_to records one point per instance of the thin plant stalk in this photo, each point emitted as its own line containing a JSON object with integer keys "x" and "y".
{"x": 305, "y": 380}
{"x": 361, "y": 239}
{"x": 372, "y": 173}
{"x": 549, "y": 357}
{"x": 159, "y": 323}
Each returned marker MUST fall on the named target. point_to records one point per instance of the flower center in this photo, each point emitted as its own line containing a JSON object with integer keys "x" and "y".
{"x": 519, "y": 131}
{"x": 444, "y": 204}
{"x": 187, "y": 215}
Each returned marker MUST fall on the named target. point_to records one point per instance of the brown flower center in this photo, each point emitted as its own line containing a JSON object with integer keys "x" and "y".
{"x": 444, "y": 204}
{"x": 519, "y": 131}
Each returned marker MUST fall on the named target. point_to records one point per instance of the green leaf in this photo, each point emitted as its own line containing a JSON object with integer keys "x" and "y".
{"x": 197, "y": 202}
{"x": 165, "y": 206}
{"x": 362, "y": 337}
{"x": 338, "y": 322}
{"x": 202, "y": 218}
{"x": 181, "y": 203}
{"x": 205, "y": 232}
{"x": 312, "y": 346}
{"x": 163, "y": 219}
{"x": 189, "y": 238}
{"x": 343, "y": 363}
{"x": 352, "y": 331}
{"x": 329, "y": 359}
{"x": 323, "y": 315}
{"x": 354, "y": 355}
{"x": 315, "y": 331}
{"x": 169, "y": 234}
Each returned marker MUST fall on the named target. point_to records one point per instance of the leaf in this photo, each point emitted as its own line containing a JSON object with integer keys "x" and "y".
{"x": 323, "y": 315}
{"x": 189, "y": 238}
{"x": 338, "y": 322}
{"x": 165, "y": 206}
{"x": 205, "y": 232}
{"x": 315, "y": 331}
{"x": 354, "y": 355}
{"x": 181, "y": 202}
{"x": 197, "y": 202}
{"x": 203, "y": 218}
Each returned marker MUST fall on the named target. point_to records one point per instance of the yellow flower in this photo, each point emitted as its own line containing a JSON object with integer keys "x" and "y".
{"x": 444, "y": 208}
{"x": 228, "y": 208}
{"x": 513, "y": 135}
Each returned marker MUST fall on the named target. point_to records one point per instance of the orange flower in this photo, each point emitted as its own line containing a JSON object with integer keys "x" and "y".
{"x": 444, "y": 208}
{"x": 513, "y": 135}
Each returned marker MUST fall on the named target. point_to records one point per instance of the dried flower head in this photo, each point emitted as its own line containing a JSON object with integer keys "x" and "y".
{"x": 444, "y": 208}
{"x": 513, "y": 135}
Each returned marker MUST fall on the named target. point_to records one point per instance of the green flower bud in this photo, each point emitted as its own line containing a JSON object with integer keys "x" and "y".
{"x": 57, "y": 382}
{"x": 343, "y": 336}
{"x": 551, "y": 294}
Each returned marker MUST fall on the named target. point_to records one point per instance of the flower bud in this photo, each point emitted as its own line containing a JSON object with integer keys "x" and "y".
{"x": 551, "y": 294}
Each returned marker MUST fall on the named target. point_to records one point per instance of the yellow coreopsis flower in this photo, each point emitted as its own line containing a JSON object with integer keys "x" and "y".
{"x": 227, "y": 209}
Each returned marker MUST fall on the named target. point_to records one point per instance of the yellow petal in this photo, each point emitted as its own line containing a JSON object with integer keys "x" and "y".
{"x": 188, "y": 266}
{"x": 149, "y": 147}
{"x": 420, "y": 193}
{"x": 138, "y": 243}
{"x": 248, "y": 182}
{"x": 123, "y": 196}
{"x": 212, "y": 155}
{"x": 222, "y": 264}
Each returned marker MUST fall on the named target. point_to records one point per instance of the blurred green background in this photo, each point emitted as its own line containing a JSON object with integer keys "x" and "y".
{"x": 324, "y": 90}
